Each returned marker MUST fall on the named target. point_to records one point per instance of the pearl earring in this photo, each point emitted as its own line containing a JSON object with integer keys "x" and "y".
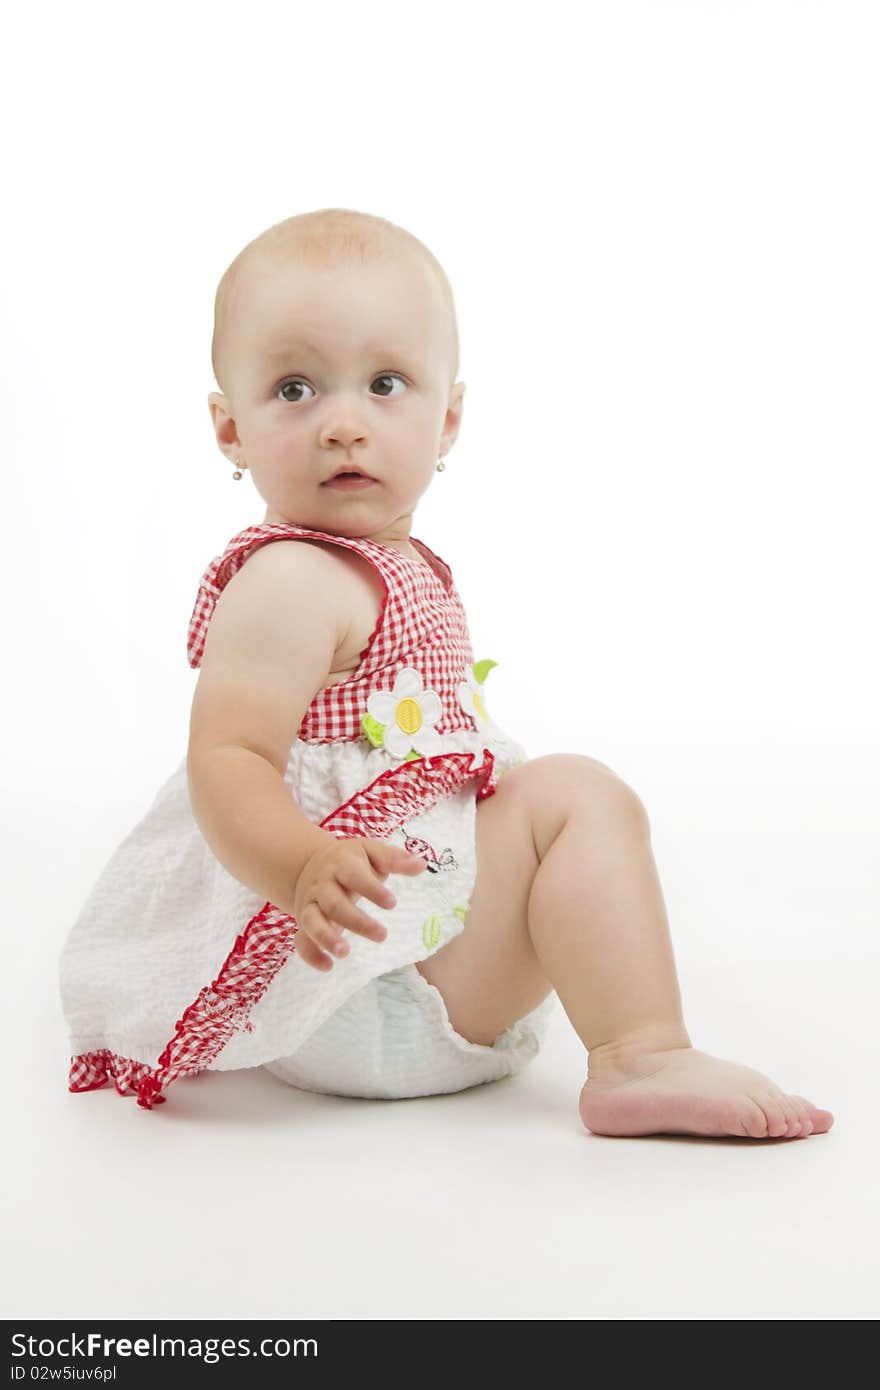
{"x": 440, "y": 465}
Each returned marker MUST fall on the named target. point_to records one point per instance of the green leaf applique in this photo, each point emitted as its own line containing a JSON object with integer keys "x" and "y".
{"x": 431, "y": 932}
{"x": 373, "y": 730}
{"x": 481, "y": 669}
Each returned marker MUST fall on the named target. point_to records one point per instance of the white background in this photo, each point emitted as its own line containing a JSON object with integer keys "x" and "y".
{"x": 661, "y": 225}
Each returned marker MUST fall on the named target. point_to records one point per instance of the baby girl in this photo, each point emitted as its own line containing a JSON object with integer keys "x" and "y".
{"x": 341, "y": 755}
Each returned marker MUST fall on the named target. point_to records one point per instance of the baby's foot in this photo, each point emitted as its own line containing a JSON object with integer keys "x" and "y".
{"x": 682, "y": 1091}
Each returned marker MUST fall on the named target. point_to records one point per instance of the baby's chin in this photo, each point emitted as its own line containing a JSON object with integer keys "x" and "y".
{"x": 352, "y": 521}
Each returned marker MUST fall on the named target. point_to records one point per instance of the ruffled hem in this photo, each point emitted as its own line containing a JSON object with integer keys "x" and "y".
{"x": 222, "y": 1007}
{"x": 91, "y": 1070}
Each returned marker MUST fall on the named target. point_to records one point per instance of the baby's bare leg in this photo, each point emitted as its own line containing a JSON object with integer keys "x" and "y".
{"x": 567, "y": 896}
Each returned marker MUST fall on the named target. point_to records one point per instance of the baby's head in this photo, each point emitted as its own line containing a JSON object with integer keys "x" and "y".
{"x": 336, "y": 346}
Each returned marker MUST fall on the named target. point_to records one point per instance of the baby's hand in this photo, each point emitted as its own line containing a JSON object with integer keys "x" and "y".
{"x": 333, "y": 877}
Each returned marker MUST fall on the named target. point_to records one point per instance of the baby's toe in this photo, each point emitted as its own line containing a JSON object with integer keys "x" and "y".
{"x": 752, "y": 1118}
{"x": 804, "y": 1109}
{"x": 822, "y": 1120}
{"x": 793, "y": 1115}
{"x": 777, "y": 1119}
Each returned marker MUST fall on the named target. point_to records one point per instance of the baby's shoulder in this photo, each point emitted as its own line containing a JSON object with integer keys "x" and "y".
{"x": 311, "y": 562}
{"x": 283, "y": 573}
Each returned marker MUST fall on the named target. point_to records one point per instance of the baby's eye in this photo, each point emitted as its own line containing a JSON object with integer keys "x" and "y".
{"x": 388, "y": 376}
{"x": 288, "y": 385}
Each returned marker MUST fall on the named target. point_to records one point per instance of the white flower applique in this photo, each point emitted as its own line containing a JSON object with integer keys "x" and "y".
{"x": 471, "y": 697}
{"x": 402, "y": 720}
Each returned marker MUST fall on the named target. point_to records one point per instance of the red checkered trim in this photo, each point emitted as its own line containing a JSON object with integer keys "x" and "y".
{"x": 223, "y": 1007}
{"x": 423, "y": 624}
{"x": 92, "y": 1070}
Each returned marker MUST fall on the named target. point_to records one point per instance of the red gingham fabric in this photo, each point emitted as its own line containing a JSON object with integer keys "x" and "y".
{"x": 422, "y": 624}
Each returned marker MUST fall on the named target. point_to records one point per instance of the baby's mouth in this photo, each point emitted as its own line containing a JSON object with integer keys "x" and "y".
{"x": 349, "y": 478}
{"x": 346, "y": 472}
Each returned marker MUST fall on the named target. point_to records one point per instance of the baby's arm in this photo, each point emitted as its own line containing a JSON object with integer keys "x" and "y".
{"x": 270, "y": 647}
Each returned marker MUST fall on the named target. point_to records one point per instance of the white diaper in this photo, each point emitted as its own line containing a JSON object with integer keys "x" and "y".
{"x": 393, "y": 1039}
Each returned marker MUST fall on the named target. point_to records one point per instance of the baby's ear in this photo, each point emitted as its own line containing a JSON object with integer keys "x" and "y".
{"x": 221, "y": 416}
{"x": 223, "y": 422}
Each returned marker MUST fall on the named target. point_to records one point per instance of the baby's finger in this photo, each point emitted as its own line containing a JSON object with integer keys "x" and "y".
{"x": 340, "y": 910}
{"x": 392, "y": 859}
{"x": 310, "y": 953}
{"x": 325, "y": 935}
{"x": 361, "y": 881}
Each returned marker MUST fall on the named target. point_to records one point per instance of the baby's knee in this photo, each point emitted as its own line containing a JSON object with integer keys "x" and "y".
{"x": 573, "y": 778}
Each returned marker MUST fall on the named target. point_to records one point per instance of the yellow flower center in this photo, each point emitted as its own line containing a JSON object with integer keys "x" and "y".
{"x": 408, "y": 716}
{"x": 480, "y": 707}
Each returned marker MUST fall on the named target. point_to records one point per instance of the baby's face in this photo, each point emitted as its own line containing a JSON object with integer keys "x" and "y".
{"x": 339, "y": 368}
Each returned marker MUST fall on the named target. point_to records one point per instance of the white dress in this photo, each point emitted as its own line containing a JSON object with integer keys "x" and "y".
{"x": 173, "y": 966}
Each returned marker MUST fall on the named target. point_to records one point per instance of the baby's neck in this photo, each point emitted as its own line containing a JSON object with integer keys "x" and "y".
{"x": 396, "y": 534}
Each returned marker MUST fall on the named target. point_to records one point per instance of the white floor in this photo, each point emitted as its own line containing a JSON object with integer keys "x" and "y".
{"x": 244, "y": 1198}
